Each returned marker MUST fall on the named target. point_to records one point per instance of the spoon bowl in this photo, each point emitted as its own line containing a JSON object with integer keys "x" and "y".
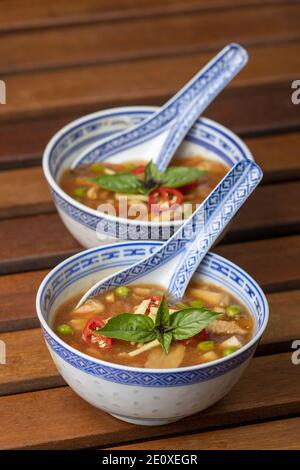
{"x": 158, "y": 137}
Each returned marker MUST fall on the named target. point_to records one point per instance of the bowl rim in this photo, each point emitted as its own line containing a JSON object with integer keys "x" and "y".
{"x": 141, "y": 370}
{"x": 112, "y": 218}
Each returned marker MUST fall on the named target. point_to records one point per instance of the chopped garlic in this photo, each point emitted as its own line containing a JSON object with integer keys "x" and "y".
{"x": 108, "y": 171}
{"x": 110, "y": 297}
{"x": 231, "y": 342}
{"x": 209, "y": 356}
{"x": 144, "y": 348}
{"x": 90, "y": 306}
{"x": 142, "y": 307}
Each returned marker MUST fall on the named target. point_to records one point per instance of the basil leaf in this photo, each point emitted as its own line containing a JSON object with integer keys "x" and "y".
{"x": 165, "y": 340}
{"x": 152, "y": 176}
{"x": 190, "y": 321}
{"x": 130, "y": 327}
{"x": 177, "y": 176}
{"x": 125, "y": 183}
{"x": 162, "y": 319}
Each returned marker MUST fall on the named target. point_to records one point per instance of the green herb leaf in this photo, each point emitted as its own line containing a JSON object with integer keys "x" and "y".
{"x": 124, "y": 183}
{"x": 190, "y": 321}
{"x": 130, "y": 327}
{"x": 152, "y": 176}
{"x": 177, "y": 176}
{"x": 162, "y": 319}
{"x": 165, "y": 340}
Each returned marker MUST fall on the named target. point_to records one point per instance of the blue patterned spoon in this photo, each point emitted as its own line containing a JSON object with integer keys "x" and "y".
{"x": 158, "y": 137}
{"x": 173, "y": 264}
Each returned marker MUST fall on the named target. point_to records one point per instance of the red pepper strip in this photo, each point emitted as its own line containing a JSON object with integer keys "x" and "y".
{"x": 154, "y": 302}
{"x": 187, "y": 187}
{"x": 138, "y": 170}
{"x": 202, "y": 337}
{"x": 165, "y": 196}
{"x": 89, "y": 332}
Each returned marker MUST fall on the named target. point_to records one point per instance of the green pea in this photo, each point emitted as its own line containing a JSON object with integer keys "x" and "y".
{"x": 122, "y": 292}
{"x": 205, "y": 346}
{"x": 233, "y": 310}
{"x": 229, "y": 351}
{"x": 197, "y": 303}
{"x": 64, "y": 330}
{"x": 97, "y": 167}
{"x": 79, "y": 192}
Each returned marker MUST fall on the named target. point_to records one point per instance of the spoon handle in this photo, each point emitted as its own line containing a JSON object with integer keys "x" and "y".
{"x": 182, "y": 253}
{"x": 201, "y": 232}
{"x": 187, "y": 105}
{"x": 169, "y": 125}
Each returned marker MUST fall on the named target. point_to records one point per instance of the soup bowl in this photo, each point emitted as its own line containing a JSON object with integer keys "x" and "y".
{"x": 93, "y": 228}
{"x": 139, "y": 395}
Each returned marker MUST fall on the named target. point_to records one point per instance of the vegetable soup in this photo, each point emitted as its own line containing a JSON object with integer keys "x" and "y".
{"x": 137, "y": 190}
{"x": 137, "y": 326}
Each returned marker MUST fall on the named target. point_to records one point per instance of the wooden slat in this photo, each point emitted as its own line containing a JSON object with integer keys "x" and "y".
{"x": 20, "y": 14}
{"x": 25, "y": 373}
{"x": 273, "y": 263}
{"x": 147, "y": 37}
{"x": 275, "y": 435}
{"x": 144, "y": 82}
{"x": 268, "y": 211}
{"x": 47, "y": 419}
{"x": 38, "y": 242}
{"x": 34, "y": 242}
{"x": 28, "y": 363}
{"x": 23, "y": 192}
{"x": 18, "y": 311}
{"x": 278, "y": 155}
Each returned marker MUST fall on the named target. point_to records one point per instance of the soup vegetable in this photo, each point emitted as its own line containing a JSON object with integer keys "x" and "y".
{"x": 147, "y": 193}
{"x": 137, "y": 326}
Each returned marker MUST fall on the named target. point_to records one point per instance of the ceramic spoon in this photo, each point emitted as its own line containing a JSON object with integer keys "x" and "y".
{"x": 158, "y": 137}
{"x": 174, "y": 263}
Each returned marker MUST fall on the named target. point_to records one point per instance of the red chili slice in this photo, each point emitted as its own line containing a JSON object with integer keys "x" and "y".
{"x": 188, "y": 187}
{"x": 89, "y": 333}
{"x": 165, "y": 198}
{"x": 154, "y": 302}
{"x": 138, "y": 170}
{"x": 203, "y": 335}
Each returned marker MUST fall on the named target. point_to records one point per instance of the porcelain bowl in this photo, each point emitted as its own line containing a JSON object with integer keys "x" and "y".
{"x": 93, "y": 228}
{"x": 136, "y": 395}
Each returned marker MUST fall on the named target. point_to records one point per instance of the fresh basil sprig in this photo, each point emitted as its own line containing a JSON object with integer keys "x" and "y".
{"x": 182, "y": 324}
{"x": 128, "y": 183}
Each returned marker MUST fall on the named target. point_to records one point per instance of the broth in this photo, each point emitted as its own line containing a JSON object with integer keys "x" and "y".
{"x": 229, "y": 330}
{"x": 168, "y": 203}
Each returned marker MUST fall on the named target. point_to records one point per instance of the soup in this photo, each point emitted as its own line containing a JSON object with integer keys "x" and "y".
{"x": 137, "y": 326}
{"x": 136, "y": 190}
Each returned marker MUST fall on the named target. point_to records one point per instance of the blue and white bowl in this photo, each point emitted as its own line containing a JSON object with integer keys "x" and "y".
{"x": 136, "y": 395}
{"x": 93, "y": 228}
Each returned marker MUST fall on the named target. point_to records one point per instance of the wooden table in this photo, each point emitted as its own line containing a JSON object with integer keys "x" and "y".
{"x": 63, "y": 59}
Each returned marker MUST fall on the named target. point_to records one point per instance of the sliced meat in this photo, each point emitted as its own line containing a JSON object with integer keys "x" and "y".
{"x": 222, "y": 327}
